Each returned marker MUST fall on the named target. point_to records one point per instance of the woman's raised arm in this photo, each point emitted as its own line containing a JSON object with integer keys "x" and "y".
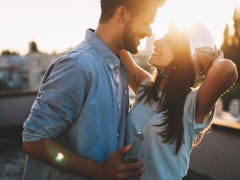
{"x": 136, "y": 74}
{"x": 219, "y": 78}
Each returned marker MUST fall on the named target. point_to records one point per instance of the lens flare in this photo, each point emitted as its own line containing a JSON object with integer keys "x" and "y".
{"x": 59, "y": 157}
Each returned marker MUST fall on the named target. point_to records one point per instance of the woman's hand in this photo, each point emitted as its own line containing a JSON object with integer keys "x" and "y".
{"x": 136, "y": 74}
{"x": 204, "y": 58}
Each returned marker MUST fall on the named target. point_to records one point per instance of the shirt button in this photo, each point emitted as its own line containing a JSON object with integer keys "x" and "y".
{"x": 125, "y": 91}
{"x": 119, "y": 106}
{"x": 111, "y": 66}
{"x": 118, "y": 135}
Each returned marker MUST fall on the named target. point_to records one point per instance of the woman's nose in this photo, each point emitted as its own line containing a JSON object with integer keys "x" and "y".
{"x": 158, "y": 42}
{"x": 148, "y": 32}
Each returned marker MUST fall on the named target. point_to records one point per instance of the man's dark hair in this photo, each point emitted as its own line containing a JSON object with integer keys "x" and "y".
{"x": 108, "y": 7}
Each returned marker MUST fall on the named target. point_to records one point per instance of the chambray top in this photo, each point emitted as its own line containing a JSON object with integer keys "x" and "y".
{"x": 160, "y": 160}
{"x": 82, "y": 103}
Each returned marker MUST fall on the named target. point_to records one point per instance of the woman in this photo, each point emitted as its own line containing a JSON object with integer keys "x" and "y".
{"x": 172, "y": 114}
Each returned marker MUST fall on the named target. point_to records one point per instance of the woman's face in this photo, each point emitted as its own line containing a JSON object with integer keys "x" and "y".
{"x": 162, "y": 55}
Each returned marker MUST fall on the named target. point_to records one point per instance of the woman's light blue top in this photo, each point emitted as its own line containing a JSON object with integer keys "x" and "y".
{"x": 160, "y": 160}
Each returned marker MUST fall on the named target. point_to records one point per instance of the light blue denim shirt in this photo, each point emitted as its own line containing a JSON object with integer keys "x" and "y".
{"x": 82, "y": 103}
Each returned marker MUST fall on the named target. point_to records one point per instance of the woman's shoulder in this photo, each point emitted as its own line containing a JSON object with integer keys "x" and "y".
{"x": 192, "y": 95}
{"x": 190, "y": 102}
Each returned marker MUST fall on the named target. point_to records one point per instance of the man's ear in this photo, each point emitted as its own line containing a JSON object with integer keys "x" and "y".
{"x": 122, "y": 14}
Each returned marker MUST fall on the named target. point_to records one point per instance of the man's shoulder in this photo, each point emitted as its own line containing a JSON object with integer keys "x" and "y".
{"x": 83, "y": 50}
{"x": 84, "y": 54}
{"x": 76, "y": 56}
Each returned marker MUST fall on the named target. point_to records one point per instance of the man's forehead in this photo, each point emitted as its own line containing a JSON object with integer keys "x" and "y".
{"x": 149, "y": 13}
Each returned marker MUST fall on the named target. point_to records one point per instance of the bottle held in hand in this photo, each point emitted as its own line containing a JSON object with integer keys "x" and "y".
{"x": 132, "y": 156}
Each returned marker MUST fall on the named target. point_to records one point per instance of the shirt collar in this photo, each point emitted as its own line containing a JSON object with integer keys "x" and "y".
{"x": 110, "y": 58}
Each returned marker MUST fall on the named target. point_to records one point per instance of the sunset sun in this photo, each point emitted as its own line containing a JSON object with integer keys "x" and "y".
{"x": 188, "y": 12}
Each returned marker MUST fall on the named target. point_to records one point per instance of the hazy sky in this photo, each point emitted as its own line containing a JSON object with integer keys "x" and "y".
{"x": 61, "y": 24}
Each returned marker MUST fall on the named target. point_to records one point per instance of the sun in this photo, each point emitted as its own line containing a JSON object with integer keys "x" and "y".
{"x": 183, "y": 15}
{"x": 183, "y": 22}
{"x": 187, "y": 13}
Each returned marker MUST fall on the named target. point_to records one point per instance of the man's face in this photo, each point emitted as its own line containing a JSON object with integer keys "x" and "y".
{"x": 137, "y": 28}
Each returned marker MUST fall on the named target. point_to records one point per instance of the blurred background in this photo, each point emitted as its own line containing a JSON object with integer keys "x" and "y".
{"x": 33, "y": 33}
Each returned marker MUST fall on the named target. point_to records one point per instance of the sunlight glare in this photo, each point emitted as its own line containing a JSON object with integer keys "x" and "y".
{"x": 183, "y": 15}
{"x": 59, "y": 25}
{"x": 186, "y": 13}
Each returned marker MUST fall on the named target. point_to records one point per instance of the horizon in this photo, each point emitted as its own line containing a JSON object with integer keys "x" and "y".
{"x": 57, "y": 26}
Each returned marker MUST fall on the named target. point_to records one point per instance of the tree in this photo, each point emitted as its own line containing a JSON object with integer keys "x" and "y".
{"x": 231, "y": 43}
{"x": 231, "y": 49}
{"x": 9, "y": 53}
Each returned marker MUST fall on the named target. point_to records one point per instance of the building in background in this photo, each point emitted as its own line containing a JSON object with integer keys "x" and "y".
{"x": 24, "y": 72}
{"x": 233, "y": 115}
{"x": 37, "y": 65}
{"x": 13, "y": 72}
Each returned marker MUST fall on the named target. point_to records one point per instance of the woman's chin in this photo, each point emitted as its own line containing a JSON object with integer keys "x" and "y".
{"x": 150, "y": 61}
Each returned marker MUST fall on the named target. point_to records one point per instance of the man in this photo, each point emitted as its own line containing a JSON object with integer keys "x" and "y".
{"x": 76, "y": 126}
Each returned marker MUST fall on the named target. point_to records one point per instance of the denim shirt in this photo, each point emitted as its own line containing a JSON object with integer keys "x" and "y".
{"x": 82, "y": 103}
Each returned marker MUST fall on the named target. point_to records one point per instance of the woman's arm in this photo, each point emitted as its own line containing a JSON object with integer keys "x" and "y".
{"x": 136, "y": 74}
{"x": 219, "y": 78}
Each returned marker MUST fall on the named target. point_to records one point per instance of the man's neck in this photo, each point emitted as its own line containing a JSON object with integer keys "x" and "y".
{"x": 110, "y": 36}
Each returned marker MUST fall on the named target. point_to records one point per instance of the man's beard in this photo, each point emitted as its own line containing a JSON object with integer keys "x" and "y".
{"x": 129, "y": 39}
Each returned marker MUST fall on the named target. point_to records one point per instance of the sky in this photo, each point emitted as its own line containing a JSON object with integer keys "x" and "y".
{"x": 57, "y": 25}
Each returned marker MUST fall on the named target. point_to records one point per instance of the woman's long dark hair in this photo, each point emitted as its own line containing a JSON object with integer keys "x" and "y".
{"x": 178, "y": 83}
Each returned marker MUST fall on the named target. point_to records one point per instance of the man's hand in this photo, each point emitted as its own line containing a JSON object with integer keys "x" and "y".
{"x": 115, "y": 169}
{"x": 47, "y": 151}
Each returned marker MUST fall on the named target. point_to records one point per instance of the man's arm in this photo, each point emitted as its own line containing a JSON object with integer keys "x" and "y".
{"x": 56, "y": 155}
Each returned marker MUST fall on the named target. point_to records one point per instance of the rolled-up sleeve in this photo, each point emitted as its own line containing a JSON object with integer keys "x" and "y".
{"x": 59, "y": 101}
{"x": 190, "y": 111}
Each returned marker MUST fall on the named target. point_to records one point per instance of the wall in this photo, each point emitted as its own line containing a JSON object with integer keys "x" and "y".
{"x": 15, "y": 107}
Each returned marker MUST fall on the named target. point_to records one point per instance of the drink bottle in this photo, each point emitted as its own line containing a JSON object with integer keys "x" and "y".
{"x": 132, "y": 156}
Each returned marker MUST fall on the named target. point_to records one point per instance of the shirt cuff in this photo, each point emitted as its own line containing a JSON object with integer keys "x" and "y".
{"x": 29, "y": 136}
